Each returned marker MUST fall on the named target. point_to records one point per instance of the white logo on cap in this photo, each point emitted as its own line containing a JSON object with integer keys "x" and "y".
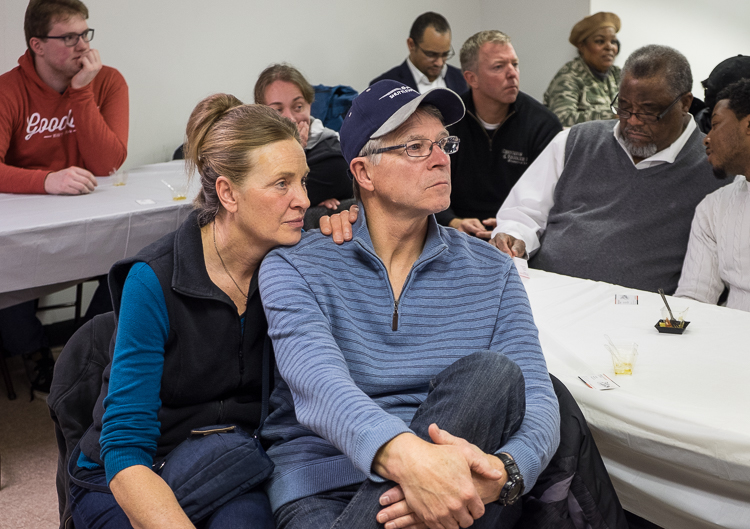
{"x": 397, "y": 92}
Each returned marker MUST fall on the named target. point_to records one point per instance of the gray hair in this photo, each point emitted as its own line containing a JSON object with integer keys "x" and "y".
{"x": 656, "y": 60}
{"x": 374, "y": 144}
{"x": 469, "y": 55}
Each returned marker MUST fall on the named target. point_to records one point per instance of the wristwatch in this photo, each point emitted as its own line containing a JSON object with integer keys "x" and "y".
{"x": 513, "y": 488}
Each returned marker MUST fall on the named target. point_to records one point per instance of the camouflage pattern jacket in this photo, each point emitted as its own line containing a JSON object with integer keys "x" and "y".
{"x": 576, "y": 95}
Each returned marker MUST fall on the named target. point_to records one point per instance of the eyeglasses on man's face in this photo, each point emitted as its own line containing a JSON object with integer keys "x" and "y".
{"x": 71, "y": 39}
{"x": 643, "y": 117}
{"x": 433, "y": 55}
{"x": 423, "y": 148}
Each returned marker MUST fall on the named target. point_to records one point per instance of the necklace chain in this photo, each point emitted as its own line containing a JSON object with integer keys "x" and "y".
{"x": 225, "y": 266}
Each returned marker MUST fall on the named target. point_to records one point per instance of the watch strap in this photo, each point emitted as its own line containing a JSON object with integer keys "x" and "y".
{"x": 513, "y": 487}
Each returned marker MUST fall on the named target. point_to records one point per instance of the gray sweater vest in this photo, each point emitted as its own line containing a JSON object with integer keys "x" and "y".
{"x": 612, "y": 222}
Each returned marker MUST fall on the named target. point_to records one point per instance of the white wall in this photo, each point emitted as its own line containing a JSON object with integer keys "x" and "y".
{"x": 174, "y": 52}
{"x": 539, "y": 32}
{"x": 705, "y": 32}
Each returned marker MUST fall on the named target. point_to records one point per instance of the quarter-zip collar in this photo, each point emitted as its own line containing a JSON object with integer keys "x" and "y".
{"x": 471, "y": 110}
{"x": 433, "y": 246}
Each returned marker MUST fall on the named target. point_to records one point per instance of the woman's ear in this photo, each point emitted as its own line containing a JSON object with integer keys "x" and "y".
{"x": 226, "y": 192}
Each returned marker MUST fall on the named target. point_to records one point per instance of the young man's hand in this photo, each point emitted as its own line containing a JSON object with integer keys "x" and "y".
{"x": 71, "y": 181}
{"x": 397, "y": 513}
{"x": 91, "y": 64}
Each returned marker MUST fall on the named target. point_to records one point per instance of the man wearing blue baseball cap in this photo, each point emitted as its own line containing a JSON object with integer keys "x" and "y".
{"x": 413, "y": 391}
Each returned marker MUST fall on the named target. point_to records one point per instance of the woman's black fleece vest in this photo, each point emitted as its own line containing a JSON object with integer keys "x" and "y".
{"x": 212, "y": 368}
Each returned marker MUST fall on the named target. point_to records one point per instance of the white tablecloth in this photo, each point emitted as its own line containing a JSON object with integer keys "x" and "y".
{"x": 50, "y": 240}
{"x": 676, "y": 435}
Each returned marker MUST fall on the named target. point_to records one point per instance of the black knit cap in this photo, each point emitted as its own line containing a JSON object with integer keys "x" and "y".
{"x": 725, "y": 73}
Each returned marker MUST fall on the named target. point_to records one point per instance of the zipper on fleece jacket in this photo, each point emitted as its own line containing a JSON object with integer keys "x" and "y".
{"x": 487, "y": 134}
{"x": 394, "y": 323}
{"x": 416, "y": 266}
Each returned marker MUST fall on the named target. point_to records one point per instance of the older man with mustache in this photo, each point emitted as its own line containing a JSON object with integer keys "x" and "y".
{"x": 616, "y": 205}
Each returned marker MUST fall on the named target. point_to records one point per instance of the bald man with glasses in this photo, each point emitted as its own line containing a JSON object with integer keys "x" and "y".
{"x": 427, "y": 66}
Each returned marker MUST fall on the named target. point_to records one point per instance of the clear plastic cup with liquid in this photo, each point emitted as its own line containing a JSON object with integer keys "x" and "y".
{"x": 624, "y": 354}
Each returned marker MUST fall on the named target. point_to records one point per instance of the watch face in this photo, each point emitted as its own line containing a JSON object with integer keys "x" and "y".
{"x": 515, "y": 491}
{"x": 511, "y": 491}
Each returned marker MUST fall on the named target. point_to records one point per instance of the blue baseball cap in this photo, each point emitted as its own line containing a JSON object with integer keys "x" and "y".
{"x": 385, "y": 106}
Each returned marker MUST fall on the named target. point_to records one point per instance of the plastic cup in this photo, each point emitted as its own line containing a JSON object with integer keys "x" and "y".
{"x": 624, "y": 355}
{"x": 178, "y": 189}
{"x": 120, "y": 178}
{"x": 679, "y": 314}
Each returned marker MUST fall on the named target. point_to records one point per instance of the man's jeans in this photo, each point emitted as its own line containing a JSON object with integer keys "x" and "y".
{"x": 480, "y": 398}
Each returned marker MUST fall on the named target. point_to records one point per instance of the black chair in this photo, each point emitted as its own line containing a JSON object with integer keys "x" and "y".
{"x": 576, "y": 476}
{"x": 75, "y": 389}
{"x": 6, "y": 375}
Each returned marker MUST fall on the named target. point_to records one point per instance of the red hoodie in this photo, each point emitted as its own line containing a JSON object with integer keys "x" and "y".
{"x": 42, "y": 131}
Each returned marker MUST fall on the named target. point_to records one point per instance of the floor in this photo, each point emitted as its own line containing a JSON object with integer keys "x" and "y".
{"x": 28, "y": 458}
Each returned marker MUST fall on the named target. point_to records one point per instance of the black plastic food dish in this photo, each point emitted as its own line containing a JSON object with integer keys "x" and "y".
{"x": 671, "y": 330}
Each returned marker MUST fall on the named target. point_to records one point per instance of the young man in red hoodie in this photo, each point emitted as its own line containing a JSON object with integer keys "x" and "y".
{"x": 63, "y": 120}
{"x": 63, "y": 116}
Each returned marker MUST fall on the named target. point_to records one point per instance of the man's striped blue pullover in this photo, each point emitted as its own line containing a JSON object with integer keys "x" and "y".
{"x": 356, "y": 364}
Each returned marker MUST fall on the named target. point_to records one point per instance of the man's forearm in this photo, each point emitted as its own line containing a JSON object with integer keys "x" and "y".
{"x": 19, "y": 180}
{"x": 102, "y": 132}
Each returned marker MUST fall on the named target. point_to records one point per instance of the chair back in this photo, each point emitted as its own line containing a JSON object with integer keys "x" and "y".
{"x": 76, "y": 385}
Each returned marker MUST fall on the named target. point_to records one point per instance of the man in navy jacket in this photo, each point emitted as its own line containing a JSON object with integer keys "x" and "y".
{"x": 430, "y": 48}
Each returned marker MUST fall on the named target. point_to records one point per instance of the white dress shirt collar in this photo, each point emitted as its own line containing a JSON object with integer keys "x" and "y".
{"x": 667, "y": 155}
{"x": 424, "y": 84}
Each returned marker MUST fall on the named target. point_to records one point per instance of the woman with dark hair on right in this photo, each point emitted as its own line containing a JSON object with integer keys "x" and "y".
{"x": 190, "y": 324}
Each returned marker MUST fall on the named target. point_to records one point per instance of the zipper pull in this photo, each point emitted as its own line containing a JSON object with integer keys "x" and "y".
{"x": 394, "y": 323}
